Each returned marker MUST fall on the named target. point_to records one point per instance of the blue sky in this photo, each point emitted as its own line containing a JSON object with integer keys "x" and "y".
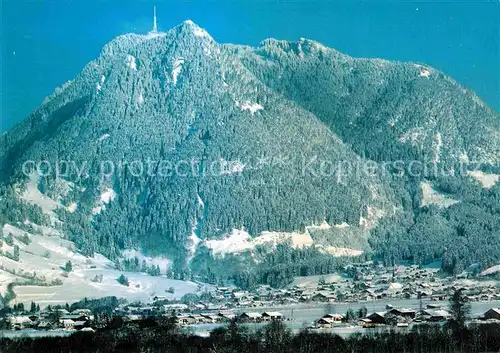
{"x": 46, "y": 43}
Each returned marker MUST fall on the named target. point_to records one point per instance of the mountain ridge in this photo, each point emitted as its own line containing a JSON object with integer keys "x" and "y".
{"x": 244, "y": 125}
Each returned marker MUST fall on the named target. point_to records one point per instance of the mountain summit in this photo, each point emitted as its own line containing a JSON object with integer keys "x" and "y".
{"x": 177, "y": 145}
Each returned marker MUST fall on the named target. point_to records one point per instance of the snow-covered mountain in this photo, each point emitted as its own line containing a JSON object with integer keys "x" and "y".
{"x": 174, "y": 144}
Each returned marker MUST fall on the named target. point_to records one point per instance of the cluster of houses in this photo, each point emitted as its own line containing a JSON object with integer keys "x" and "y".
{"x": 361, "y": 282}
{"x": 195, "y": 313}
{"x": 226, "y": 316}
{"x": 365, "y": 282}
{"x": 404, "y": 316}
{"x": 79, "y": 319}
{"x": 401, "y": 317}
{"x": 371, "y": 283}
{"x": 199, "y": 313}
{"x": 83, "y": 319}
{"x": 329, "y": 320}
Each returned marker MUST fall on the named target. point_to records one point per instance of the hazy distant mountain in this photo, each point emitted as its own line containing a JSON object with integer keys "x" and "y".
{"x": 224, "y": 148}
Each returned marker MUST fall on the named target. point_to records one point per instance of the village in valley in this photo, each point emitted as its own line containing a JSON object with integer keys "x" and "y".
{"x": 364, "y": 295}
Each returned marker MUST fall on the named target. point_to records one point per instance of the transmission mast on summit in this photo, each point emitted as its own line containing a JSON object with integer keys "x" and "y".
{"x": 155, "y": 28}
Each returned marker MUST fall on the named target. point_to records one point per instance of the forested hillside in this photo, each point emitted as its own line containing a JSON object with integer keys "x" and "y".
{"x": 395, "y": 114}
{"x": 170, "y": 140}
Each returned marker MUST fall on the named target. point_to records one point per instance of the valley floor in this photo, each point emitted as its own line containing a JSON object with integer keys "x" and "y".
{"x": 300, "y": 316}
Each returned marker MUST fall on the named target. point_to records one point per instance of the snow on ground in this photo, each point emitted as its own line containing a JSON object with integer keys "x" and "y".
{"x": 106, "y": 197}
{"x": 5, "y": 279}
{"x": 140, "y": 99}
{"x": 323, "y": 225}
{"x": 194, "y": 240}
{"x": 425, "y": 73}
{"x": 152, "y": 35}
{"x": 486, "y": 180}
{"x": 252, "y": 107}
{"x": 79, "y": 285}
{"x": 239, "y": 241}
{"x": 335, "y": 251}
{"x": 464, "y": 158}
{"x": 98, "y": 87}
{"x": 200, "y": 32}
{"x": 197, "y": 31}
{"x": 65, "y": 252}
{"x": 15, "y": 232}
{"x": 102, "y": 261}
{"x": 103, "y": 137}
{"x": 412, "y": 136}
{"x": 43, "y": 256}
{"x": 491, "y": 270}
{"x": 235, "y": 242}
{"x": 161, "y": 261}
{"x": 130, "y": 62}
{"x": 374, "y": 192}
{"x": 312, "y": 281}
{"x": 5, "y": 247}
{"x": 46, "y": 254}
{"x": 33, "y": 196}
{"x": 10, "y": 229}
{"x": 193, "y": 243}
{"x": 342, "y": 225}
{"x": 62, "y": 188}
{"x": 200, "y": 201}
{"x": 176, "y": 70}
{"x": 432, "y": 197}
{"x": 299, "y": 240}
{"x": 438, "y": 142}
{"x": 231, "y": 167}
{"x": 373, "y": 215}
{"x": 44, "y": 230}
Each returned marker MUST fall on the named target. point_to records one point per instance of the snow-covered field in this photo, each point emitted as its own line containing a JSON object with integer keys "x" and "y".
{"x": 239, "y": 241}
{"x": 312, "y": 281}
{"x": 336, "y": 251}
{"x": 251, "y": 107}
{"x": 33, "y": 196}
{"x": 486, "y": 180}
{"x": 79, "y": 285}
{"x": 491, "y": 270}
{"x": 45, "y": 255}
{"x": 432, "y": 197}
{"x": 177, "y": 68}
{"x": 106, "y": 197}
{"x": 161, "y": 261}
